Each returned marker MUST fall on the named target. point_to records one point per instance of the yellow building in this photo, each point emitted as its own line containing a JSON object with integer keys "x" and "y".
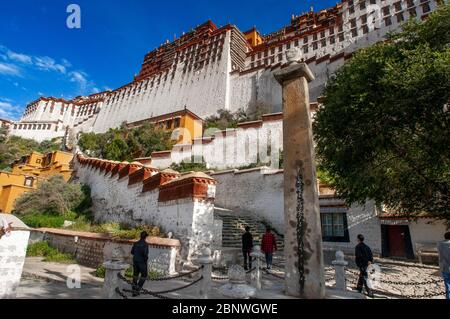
{"x": 184, "y": 124}
{"x": 253, "y": 37}
{"x": 28, "y": 172}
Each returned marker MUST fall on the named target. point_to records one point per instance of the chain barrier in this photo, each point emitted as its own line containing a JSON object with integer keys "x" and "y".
{"x": 120, "y": 293}
{"x": 177, "y": 276}
{"x": 251, "y": 270}
{"x": 157, "y": 294}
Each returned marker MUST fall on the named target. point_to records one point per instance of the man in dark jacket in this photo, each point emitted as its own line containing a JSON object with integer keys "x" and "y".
{"x": 140, "y": 258}
{"x": 247, "y": 246}
{"x": 363, "y": 258}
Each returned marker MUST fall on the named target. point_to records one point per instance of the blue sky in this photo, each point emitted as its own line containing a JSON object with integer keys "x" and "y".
{"x": 39, "y": 55}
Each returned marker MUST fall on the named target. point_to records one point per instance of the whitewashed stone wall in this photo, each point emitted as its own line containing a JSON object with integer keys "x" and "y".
{"x": 259, "y": 192}
{"x": 426, "y": 231}
{"x": 13, "y": 248}
{"x": 191, "y": 221}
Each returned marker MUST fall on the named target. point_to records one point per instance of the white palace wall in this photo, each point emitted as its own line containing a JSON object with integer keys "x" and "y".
{"x": 259, "y": 192}
{"x": 189, "y": 218}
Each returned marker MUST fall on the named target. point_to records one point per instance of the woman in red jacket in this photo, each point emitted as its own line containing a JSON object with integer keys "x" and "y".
{"x": 268, "y": 246}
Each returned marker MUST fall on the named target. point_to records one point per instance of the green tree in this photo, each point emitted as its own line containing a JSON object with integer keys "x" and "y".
{"x": 383, "y": 132}
{"x": 125, "y": 144}
{"x": 53, "y": 196}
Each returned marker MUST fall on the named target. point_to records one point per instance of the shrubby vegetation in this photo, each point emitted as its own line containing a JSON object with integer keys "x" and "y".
{"x": 384, "y": 131}
{"x": 50, "y": 254}
{"x": 53, "y": 197}
{"x": 124, "y": 144}
{"x": 14, "y": 147}
{"x": 55, "y": 201}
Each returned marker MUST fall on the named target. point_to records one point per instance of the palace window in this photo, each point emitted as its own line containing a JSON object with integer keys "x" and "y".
{"x": 387, "y": 21}
{"x": 252, "y": 65}
{"x": 341, "y": 37}
{"x": 373, "y": 1}
{"x": 29, "y": 182}
{"x": 365, "y": 29}
{"x": 399, "y": 17}
{"x": 354, "y": 32}
{"x": 280, "y": 57}
{"x": 398, "y": 6}
{"x": 314, "y": 45}
{"x": 334, "y": 226}
{"x": 425, "y": 7}
{"x": 322, "y": 34}
{"x": 305, "y": 40}
{"x": 280, "y": 48}
{"x": 331, "y": 30}
{"x": 305, "y": 49}
{"x": 177, "y": 123}
{"x": 296, "y": 43}
{"x": 364, "y": 19}
{"x": 386, "y": 10}
{"x": 410, "y": 3}
{"x": 351, "y": 10}
{"x": 323, "y": 43}
{"x": 288, "y": 46}
{"x": 314, "y": 36}
{"x": 362, "y": 5}
{"x": 332, "y": 40}
{"x": 272, "y": 60}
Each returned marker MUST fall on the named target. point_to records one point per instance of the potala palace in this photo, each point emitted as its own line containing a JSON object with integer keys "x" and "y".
{"x": 213, "y": 68}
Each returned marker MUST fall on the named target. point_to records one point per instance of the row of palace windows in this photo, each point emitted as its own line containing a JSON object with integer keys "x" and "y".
{"x": 386, "y": 9}
{"x": 169, "y": 124}
{"x": 32, "y": 126}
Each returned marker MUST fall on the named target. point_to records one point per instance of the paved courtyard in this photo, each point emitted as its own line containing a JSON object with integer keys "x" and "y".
{"x": 397, "y": 280}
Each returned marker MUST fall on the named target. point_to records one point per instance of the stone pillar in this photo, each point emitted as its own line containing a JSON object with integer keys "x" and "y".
{"x": 339, "y": 271}
{"x": 237, "y": 287}
{"x": 112, "y": 269}
{"x": 205, "y": 261}
{"x": 256, "y": 276}
{"x": 303, "y": 239}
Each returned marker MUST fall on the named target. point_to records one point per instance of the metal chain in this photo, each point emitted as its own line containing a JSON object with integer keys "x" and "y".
{"x": 120, "y": 293}
{"x": 158, "y": 293}
{"x": 177, "y": 276}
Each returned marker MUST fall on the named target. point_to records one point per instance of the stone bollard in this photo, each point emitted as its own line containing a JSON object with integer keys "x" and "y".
{"x": 112, "y": 269}
{"x": 237, "y": 287}
{"x": 256, "y": 278}
{"x": 339, "y": 270}
{"x": 205, "y": 261}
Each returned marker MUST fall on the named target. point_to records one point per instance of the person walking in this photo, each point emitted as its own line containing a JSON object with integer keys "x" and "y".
{"x": 140, "y": 258}
{"x": 363, "y": 259}
{"x": 247, "y": 246}
{"x": 444, "y": 262}
{"x": 268, "y": 246}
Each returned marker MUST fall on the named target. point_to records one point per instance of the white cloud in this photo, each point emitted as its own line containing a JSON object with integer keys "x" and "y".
{"x": 9, "y": 69}
{"x": 95, "y": 90}
{"x": 19, "y": 57}
{"x": 48, "y": 64}
{"x": 8, "y": 110}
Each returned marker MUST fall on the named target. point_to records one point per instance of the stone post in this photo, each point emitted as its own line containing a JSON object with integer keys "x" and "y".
{"x": 112, "y": 269}
{"x": 339, "y": 271}
{"x": 303, "y": 239}
{"x": 205, "y": 261}
{"x": 237, "y": 287}
{"x": 257, "y": 254}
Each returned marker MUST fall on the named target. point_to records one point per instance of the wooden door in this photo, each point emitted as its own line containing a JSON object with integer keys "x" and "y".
{"x": 397, "y": 241}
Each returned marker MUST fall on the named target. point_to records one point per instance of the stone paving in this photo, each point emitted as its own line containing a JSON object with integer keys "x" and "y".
{"x": 48, "y": 280}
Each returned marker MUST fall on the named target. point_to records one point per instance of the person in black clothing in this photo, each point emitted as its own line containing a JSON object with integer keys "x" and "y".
{"x": 247, "y": 246}
{"x": 363, "y": 258}
{"x": 140, "y": 258}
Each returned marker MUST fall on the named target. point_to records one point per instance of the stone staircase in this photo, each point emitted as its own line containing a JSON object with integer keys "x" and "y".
{"x": 233, "y": 227}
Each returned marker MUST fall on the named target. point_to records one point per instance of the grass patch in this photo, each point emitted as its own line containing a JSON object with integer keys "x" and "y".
{"x": 47, "y": 220}
{"x": 50, "y": 254}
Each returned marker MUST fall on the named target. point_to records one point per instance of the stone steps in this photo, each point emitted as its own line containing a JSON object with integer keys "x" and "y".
{"x": 233, "y": 227}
